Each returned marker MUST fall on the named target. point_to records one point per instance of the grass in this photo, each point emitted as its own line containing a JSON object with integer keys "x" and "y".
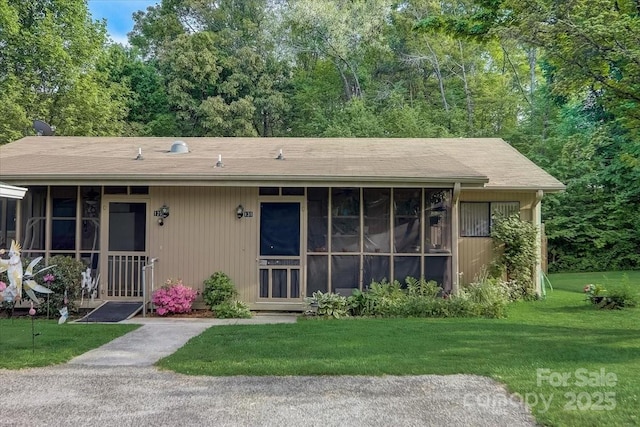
{"x": 54, "y": 343}
{"x": 562, "y": 334}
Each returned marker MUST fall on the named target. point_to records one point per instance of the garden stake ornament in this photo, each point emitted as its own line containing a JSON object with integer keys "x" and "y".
{"x": 32, "y": 313}
{"x": 18, "y": 277}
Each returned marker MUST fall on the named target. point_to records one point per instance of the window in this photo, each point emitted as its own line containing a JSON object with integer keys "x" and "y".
{"x": 476, "y": 217}
{"x": 281, "y": 191}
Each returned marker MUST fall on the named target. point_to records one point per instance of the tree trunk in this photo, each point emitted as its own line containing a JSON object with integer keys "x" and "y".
{"x": 438, "y": 71}
{"x": 532, "y": 56}
{"x": 467, "y": 92}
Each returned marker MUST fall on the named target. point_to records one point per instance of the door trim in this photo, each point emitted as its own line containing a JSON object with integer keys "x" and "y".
{"x": 137, "y": 258}
{"x": 262, "y": 261}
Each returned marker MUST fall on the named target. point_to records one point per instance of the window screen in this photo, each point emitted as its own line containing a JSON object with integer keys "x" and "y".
{"x": 475, "y": 217}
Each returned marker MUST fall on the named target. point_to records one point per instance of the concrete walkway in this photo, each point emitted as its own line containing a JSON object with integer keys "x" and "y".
{"x": 159, "y": 337}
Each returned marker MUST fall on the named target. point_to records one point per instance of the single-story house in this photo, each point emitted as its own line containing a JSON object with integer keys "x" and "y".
{"x": 283, "y": 217}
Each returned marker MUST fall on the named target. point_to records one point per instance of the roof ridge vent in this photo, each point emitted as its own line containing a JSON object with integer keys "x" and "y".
{"x": 179, "y": 147}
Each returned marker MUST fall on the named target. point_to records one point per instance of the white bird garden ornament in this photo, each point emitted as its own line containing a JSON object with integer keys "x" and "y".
{"x": 18, "y": 277}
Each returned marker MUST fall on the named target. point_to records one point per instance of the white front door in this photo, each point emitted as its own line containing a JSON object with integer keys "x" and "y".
{"x": 126, "y": 248}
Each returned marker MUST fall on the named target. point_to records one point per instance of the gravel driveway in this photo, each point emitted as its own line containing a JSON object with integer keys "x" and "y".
{"x": 72, "y": 395}
{"x": 115, "y": 386}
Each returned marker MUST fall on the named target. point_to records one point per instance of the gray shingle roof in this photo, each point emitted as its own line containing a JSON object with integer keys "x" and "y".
{"x": 472, "y": 161}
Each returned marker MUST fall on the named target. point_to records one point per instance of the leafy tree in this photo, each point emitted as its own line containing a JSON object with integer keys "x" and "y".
{"x": 340, "y": 31}
{"x": 47, "y": 70}
{"x": 218, "y": 64}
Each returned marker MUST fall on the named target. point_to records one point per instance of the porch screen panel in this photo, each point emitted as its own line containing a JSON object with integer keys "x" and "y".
{"x": 90, "y": 240}
{"x": 438, "y": 221}
{"x": 7, "y": 221}
{"x": 376, "y": 268}
{"x": 438, "y": 269}
{"x": 377, "y": 213}
{"x": 345, "y": 220}
{"x": 34, "y": 208}
{"x": 127, "y": 226}
{"x": 345, "y": 273}
{"x": 406, "y": 266}
{"x": 407, "y": 203}
{"x": 63, "y": 223}
{"x": 317, "y": 273}
{"x": 317, "y": 220}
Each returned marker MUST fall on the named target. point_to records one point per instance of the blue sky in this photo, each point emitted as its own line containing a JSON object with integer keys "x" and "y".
{"x": 118, "y": 15}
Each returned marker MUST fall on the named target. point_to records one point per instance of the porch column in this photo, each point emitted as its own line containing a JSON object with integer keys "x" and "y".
{"x": 455, "y": 221}
{"x": 537, "y": 221}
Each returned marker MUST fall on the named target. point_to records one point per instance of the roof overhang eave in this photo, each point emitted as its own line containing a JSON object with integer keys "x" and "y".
{"x": 239, "y": 180}
{"x": 546, "y": 189}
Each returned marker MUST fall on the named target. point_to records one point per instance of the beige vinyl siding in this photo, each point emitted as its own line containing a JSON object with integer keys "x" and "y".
{"x": 476, "y": 252}
{"x": 202, "y": 235}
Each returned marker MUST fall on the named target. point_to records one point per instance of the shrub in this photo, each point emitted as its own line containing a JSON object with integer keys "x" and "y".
{"x": 381, "y": 299}
{"x": 173, "y": 297}
{"x": 232, "y": 310}
{"x": 422, "y": 288}
{"x": 220, "y": 293}
{"x": 328, "y": 304}
{"x": 66, "y": 275}
{"x": 489, "y": 297}
{"x": 218, "y": 288}
{"x": 623, "y": 295}
{"x": 515, "y": 251}
{"x": 619, "y": 296}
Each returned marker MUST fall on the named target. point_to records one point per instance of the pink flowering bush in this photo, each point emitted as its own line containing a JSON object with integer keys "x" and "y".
{"x": 173, "y": 297}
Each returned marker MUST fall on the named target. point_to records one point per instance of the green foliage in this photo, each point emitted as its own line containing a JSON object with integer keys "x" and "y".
{"x": 421, "y": 298}
{"x": 489, "y": 298}
{"x": 48, "y": 71}
{"x": 327, "y": 305}
{"x": 422, "y": 288}
{"x": 619, "y": 295}
{"x": 381, "y": 298}
{"x": 67, "y": 277}
{"x": 232, "y": 310}
{"x": 220, "y": 293}
{"x": 623, "y": 295}
{"x": 515, "y": 251}
{"x": 218, "y": 288}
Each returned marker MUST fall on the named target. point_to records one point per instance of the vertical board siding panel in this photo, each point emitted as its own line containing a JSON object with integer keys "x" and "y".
{"x": 202, "y": 236}
{"x": 477, "y": 252}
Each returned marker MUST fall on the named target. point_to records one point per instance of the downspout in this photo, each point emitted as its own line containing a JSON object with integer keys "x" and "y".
{"x": 455, "y": 238}
{"x": 537, "y": 221}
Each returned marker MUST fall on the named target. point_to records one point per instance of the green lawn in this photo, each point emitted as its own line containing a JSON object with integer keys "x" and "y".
{"x": 562, "y": 335}
{"x": 54, "y": 343}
